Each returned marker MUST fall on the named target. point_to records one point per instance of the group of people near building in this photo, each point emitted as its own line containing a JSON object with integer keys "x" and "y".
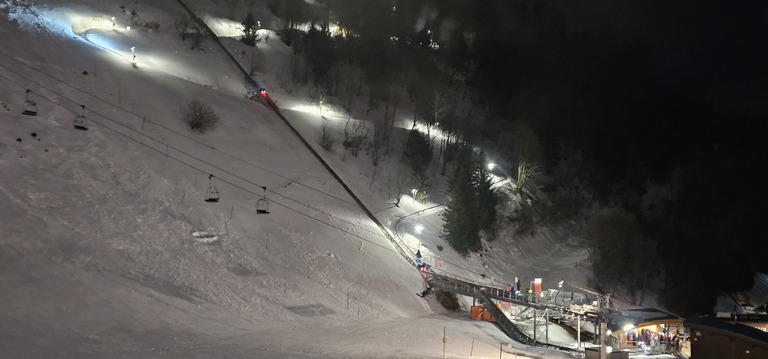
{"x": 647, "y": 338}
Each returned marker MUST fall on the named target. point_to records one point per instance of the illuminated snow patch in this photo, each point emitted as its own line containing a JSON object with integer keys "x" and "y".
{"x": 41, "y": 19}
{"x": 80, "y": 23}
{"x": 100, "y": 41}
{"x": 109, "y": 42}
{"x": 224, "y": 27}
{"x": 308, "y": 109}
{"x": 64, "y": 23}
{"x": 325, "y": 111}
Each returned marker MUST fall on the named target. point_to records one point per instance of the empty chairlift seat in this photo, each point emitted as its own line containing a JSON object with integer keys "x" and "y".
{"x": 262, "y": 205}
{"x": 30, "y": 107}
{"x": 212, "y": 194}
{"x": 81, "y": 122}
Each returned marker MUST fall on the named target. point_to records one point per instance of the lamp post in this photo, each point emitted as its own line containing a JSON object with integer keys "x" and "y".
{"x": 578, "y": 330}
{"x": 418, "y": 229}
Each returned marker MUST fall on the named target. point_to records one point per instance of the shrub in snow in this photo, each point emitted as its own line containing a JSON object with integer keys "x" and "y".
{"x": 199, "y": 116}
{"x": 421, "y": 197}
{"x": 355, "y": 133}
{"x": 447, "y": 300}
{"x": 152, "y": 25}
{"x": 327, "y": 139}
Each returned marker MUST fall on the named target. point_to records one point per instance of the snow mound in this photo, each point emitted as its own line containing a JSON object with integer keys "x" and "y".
{"x": 205, "y": 237}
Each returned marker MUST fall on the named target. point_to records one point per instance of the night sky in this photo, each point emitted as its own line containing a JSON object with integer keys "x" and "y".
{"x": 708, "y": 60}
{"x": 718, "y": 45}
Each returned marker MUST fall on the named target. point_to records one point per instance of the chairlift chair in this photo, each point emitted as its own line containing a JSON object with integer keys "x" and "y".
{"x": 262, "y": 205}
{"x": 212, "y": 194}
{"x": 30, "y": 107}
{"x": 81, "y": 123}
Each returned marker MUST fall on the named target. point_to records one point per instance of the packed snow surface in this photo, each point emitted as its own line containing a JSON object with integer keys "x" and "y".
{"x": 109, "y": 249}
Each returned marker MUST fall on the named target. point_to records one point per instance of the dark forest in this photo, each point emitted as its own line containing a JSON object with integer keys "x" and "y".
{"x": 654, "y": 110}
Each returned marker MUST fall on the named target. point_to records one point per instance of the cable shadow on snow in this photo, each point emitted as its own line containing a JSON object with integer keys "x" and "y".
{"x": 166, "y": 287}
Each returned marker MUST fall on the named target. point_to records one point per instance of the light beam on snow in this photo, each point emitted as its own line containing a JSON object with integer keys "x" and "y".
{"x": 308, "y": 109}
{"x": 101, "y": 41}
{"x": 79, "y": 23}
{"x": 224, "y": 27}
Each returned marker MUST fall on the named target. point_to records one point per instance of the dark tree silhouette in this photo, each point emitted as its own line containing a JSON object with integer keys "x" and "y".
{"x": 249, "y": 30}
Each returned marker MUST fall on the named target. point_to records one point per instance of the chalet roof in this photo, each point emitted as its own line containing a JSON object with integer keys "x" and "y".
{"x": 648, "y": 314}
{"x": 724, "y": 327}
{"x": 758, "y": 295}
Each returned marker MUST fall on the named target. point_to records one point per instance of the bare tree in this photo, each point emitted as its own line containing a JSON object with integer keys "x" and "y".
{"x": 375, "y": 142}
{"x": 392, "y": 102}
{"x": 188, "y": 28}
{"x": 198, "y": 35}
{"x": 432, "y": 110}
{"x": 136, "y": 20}
{"x": 421, "y": 197}
{"x": 182, "y": 22}
{"x": 327, "y": 138}
{"x": 525, "y": 141}
{"x": 398, "y": 181}
{"x": 291, "y": 13}
{"x": 438, "y": 109}
{"x": 525, "y": 171}
{"x": 347, "y": 78}
{"x": 383, "y": 124}
{"x": 355, "y": 133}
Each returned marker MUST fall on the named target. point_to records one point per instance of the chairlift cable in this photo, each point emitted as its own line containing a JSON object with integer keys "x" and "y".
{"x": 172, "y": 130}
{"x": 332, "y": 225}
{"x": 376, "y": 233}
{"x": 197, "y": 158}
{"x": 225, "y": 181}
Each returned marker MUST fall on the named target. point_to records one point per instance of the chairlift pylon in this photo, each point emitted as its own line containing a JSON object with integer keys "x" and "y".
{"x": 212, "y": 194}
{"x": 81, "y": 123}
{"x": 30, "y": 107}
{"x": 262, "y": 205}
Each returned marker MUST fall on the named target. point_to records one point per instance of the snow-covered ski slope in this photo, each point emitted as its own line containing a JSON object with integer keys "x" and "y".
{"x": 99, "y": 257}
